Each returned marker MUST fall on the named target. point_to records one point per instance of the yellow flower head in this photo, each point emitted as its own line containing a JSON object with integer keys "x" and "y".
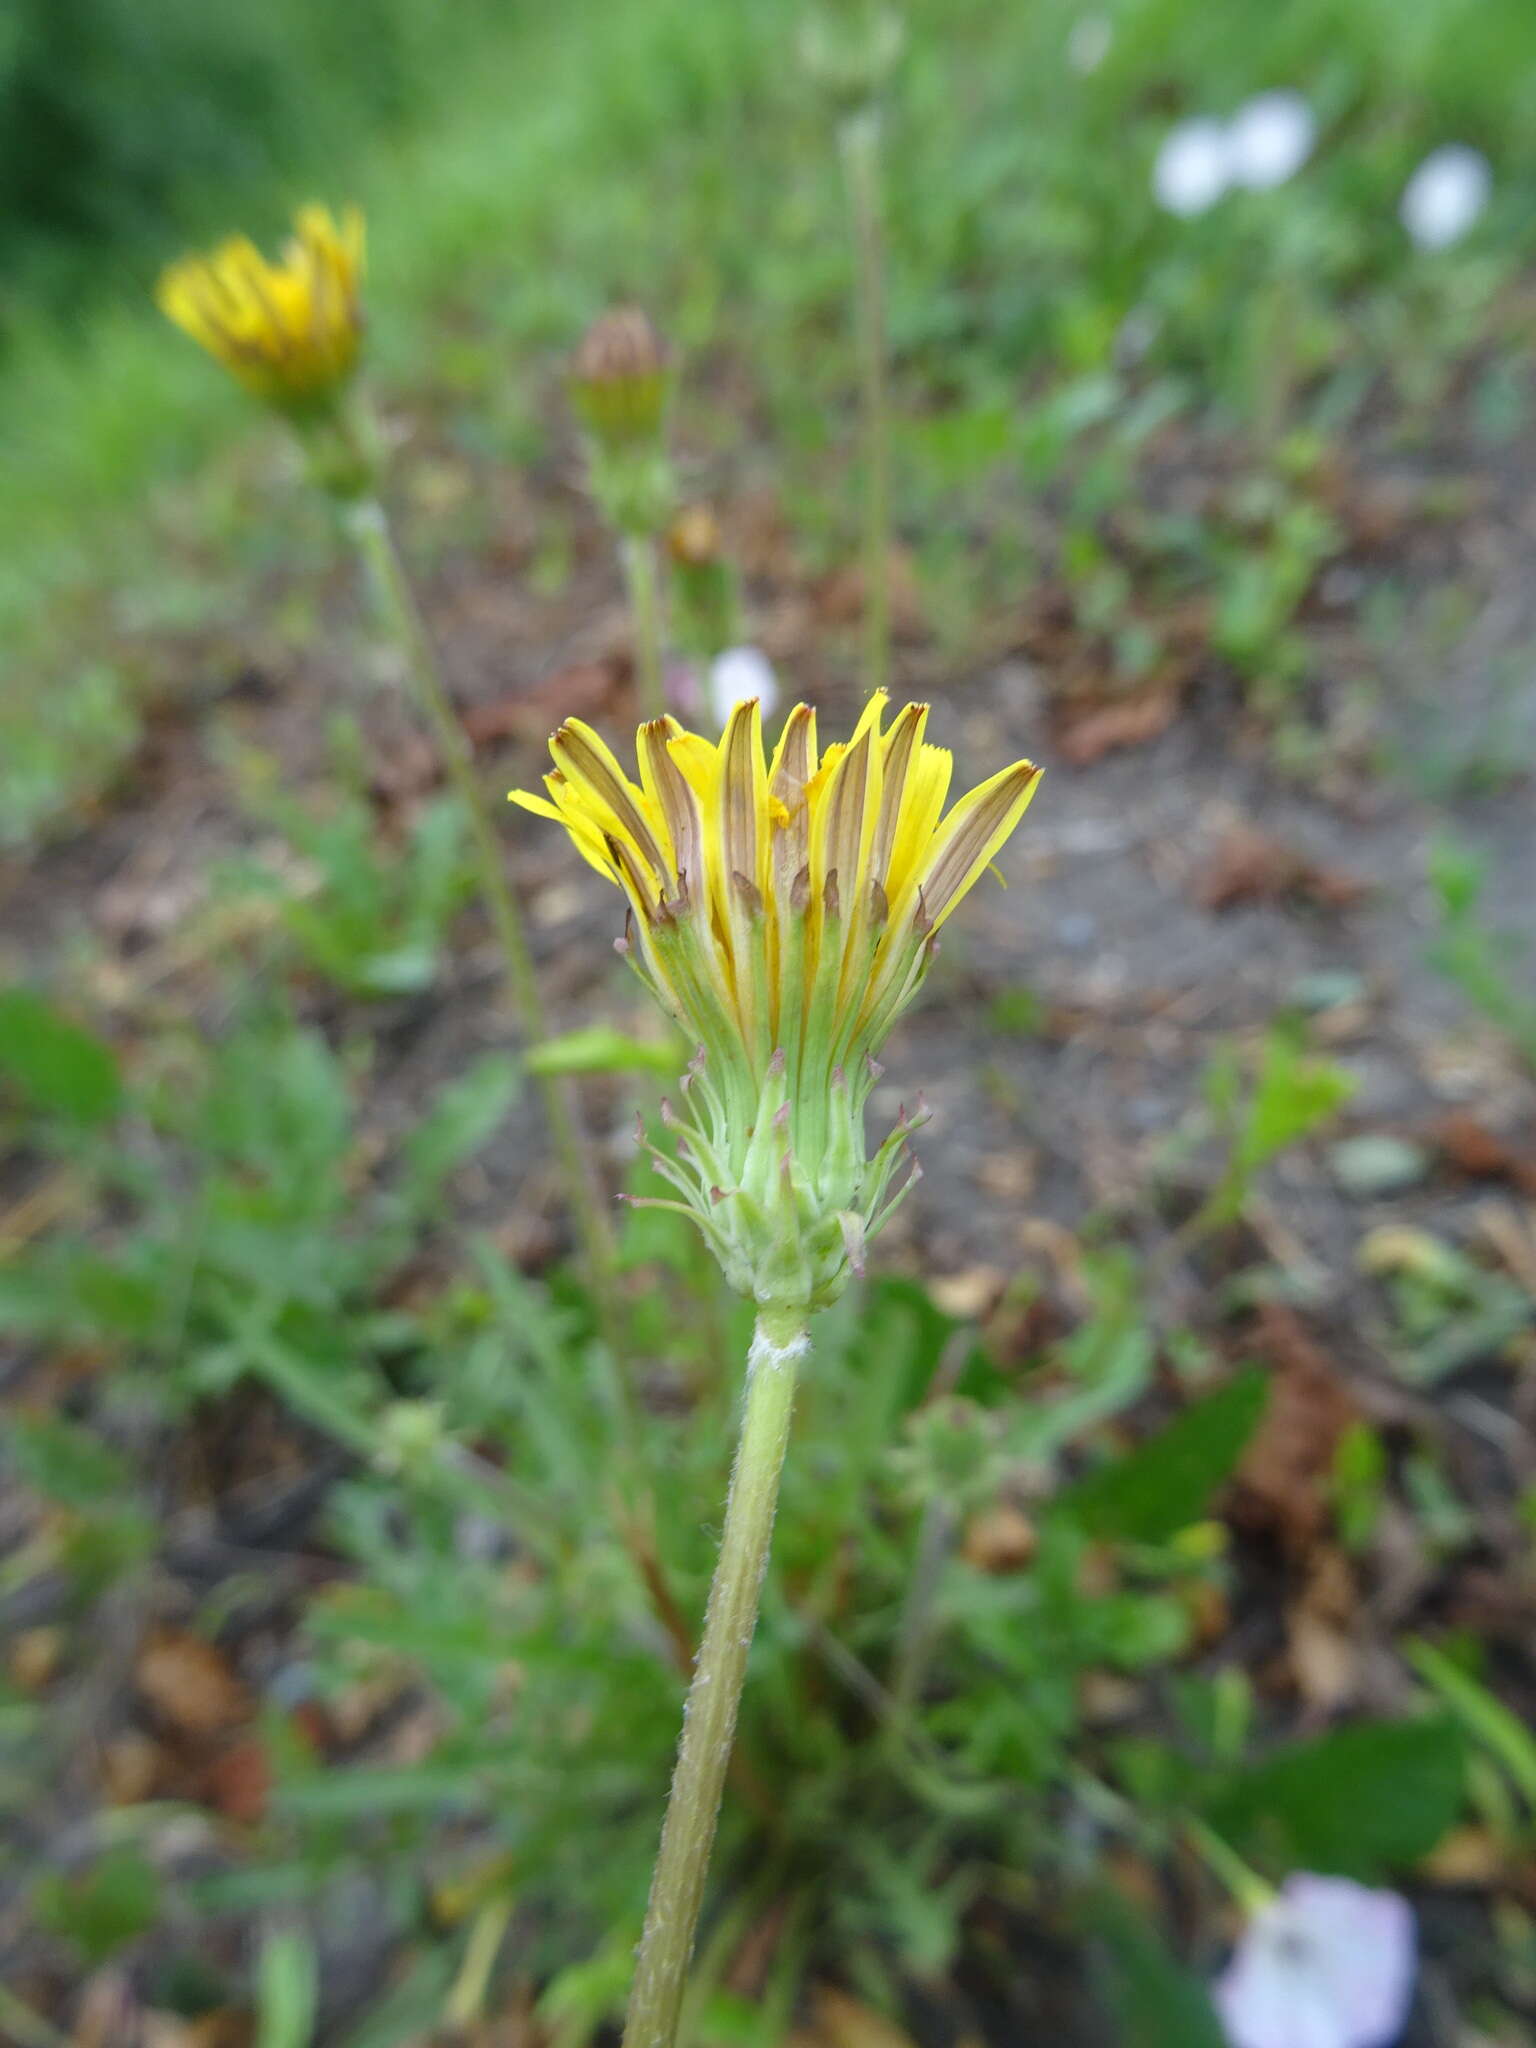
{"x": 290, "y": 331}
{"x": 783, "y": 912}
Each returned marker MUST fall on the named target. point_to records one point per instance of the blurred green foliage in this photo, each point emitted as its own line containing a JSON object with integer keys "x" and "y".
{"x": 120, "y": 119}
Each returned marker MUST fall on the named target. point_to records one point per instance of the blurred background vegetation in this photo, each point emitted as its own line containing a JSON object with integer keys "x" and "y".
{"x": 305, "y": 1404}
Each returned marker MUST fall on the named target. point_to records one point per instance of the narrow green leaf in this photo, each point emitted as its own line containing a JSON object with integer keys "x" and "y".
{"x": 287, "y": 1991}
{"x": 1502, "y": 1733}
{"x": 1155, "y": 2001}
{"x": 599, "y": 1049}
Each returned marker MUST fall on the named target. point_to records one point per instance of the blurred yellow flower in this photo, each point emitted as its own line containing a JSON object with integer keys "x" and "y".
{"x": 290, "y": 331}
{"x": 783, "y": 912}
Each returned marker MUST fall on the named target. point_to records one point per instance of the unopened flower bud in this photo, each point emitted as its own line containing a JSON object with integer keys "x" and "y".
{"x": 619, "y": 378}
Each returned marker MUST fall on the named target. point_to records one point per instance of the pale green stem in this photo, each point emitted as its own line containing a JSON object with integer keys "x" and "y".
{"x": 368, "y": 524}
{"x": 643, "y": 582}
{"x": 859, "y": 142}
{"x": 779, "y": 1342}
{"x": 1250, "y": 1890}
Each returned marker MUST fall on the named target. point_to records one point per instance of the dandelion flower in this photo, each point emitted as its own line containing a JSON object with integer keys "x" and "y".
{"x": 1326, "y": 1964}
{"x": 1269, "y": 139}
{"x": 1445, "y": 195}
{"x": 1193, "y": 167}
{"x": 289, "y": 331}
{"x": 783, "y": 912}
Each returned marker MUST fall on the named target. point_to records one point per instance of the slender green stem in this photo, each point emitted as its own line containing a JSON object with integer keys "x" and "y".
{"x": 369, "y": 528}
{"x": 915, "y": 1636}
{"x": 859, "y": 142}
{"x": 642, "y": 581}
{"x": 779, "y": 1342}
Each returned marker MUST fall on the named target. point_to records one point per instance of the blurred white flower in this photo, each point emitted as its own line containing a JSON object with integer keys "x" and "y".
{"x": 739, "y": 673}
{"x": 1088, "y": 44}
{"x": 1193, "y": 167}
{"x": 1270, "y": 138}
{"x": 1326, "y": 1964}
{"x": 1445, "y": 195}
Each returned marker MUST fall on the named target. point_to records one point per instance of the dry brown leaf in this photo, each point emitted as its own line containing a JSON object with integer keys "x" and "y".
{"x": 108, "y": 2013}
{"x": 190, "y": 1684}
{"x": 238, "y": 1783}
{"x": 841, "y": 2021}
{"x": 1469, "y": 1856}
{"x": 132, "y": 1766}
{"x": 583, "y": 689}
{"x": 1010, "y": 1176}
{"x": 1283, "y": 1478}
{"x": 1003, "y": 1539}
{"x": 36, "y": 1654}
{"x": 839, "y": 596}
{"x": 1467, "y": 1143}
{"x": 1252, "y": 867}
{"x": 1083, "y": 739}
{"x": 968, "y": 1294}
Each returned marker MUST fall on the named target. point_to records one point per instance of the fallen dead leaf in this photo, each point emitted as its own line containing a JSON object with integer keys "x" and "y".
{"x": 1003, "y": 1539}
{"x": 1322, "y": 1631}
{"x": 1282, "y": 1481}
{"x": 190, "y": 1684}
{"x": 132, "y": 1766}
{"x": 968, "y": 1294}
{"x": 840, "y": 2021}
{"x": 1085, "y": 737}
{"x": 839, "y": 596}
{"x": 1466, "y": 1143}
{"x": 583, "y": 689}
{"x": 238, "y": 1783}
{"x": 1252, "y": 867}
{"x": 36, "y": 1654}
{"x": 1010, "y": 1176}
{"x": 107, "y": 2015}
{"x": 1467, "y": 1857}
{"x": 222, "y": 2029}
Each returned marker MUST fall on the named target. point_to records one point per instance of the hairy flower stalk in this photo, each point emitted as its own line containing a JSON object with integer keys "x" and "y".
{"x": 783, "y": 911}
{"x": 291, "y": 333}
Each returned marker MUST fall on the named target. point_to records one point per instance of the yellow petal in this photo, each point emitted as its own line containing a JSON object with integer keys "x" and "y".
{"x": 973, "y": 832}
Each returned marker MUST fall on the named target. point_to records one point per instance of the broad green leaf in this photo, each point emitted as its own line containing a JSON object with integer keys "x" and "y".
{"x": 103, "y": 1908}
{"x": 1162, "y": 1486}
{"x": 59, "y": 1068}
{"x": 1361, "y": 1800}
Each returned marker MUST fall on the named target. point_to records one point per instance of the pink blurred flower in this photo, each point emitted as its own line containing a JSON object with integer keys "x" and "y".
{"x": 1326, "y": 1964}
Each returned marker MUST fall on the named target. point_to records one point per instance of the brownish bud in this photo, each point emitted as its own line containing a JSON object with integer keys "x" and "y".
{"x": 619, "y": 378}
{"x": 693, "y": 538}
